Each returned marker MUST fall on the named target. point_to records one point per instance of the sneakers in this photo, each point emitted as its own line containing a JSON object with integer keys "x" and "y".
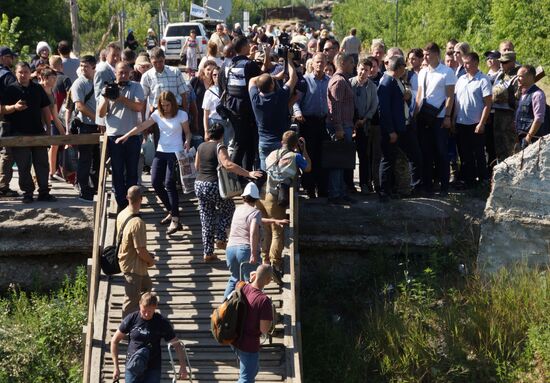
{"x": 210, "y": 258}
{"x": 46, "y": 198}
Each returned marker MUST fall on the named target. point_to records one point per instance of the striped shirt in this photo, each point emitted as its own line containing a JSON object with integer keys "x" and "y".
{"x": 340, "y": 101}
{"x": 170, "y": 79}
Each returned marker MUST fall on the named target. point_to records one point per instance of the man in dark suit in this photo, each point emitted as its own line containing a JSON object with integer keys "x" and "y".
{"x": 395, "y": 119}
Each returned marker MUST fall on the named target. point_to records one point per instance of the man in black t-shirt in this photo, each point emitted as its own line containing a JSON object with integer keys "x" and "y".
{"x": 26, "y": 106}
{"x": 145, "y": 329}
{"x": 6, "y": 158}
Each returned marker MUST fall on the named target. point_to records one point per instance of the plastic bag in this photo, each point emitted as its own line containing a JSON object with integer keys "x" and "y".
{"x": 188, "y": 172}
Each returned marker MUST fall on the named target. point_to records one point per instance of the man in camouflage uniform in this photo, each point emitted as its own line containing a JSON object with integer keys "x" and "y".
{"x": 505, "y": 89}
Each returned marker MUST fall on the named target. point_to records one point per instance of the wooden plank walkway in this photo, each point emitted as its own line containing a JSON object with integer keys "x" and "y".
{"x": 189, "y": 289}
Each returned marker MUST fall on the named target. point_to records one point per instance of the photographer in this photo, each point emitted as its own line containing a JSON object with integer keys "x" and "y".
{"x": 120, "y": 104}
{"x": 270, "y": 106}
{"x": 82, "y": 93}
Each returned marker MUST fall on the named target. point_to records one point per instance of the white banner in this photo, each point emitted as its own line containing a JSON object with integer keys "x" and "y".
{"x": 197, "y": 11}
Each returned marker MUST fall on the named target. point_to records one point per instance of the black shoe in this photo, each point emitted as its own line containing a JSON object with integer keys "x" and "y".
{"x": 27, "y": 198}
{"x": 46, "y": 198}
{"x": 278, "y": 276}
{"x": 8, "y": 193}
{"x": 349, "y": 200}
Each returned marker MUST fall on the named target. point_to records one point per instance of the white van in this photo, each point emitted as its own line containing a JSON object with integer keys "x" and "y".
{"x": 175, "y": 33}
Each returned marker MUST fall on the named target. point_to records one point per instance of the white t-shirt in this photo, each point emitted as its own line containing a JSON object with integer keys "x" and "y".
{"x": 211, "y": 100}
{"x": 436, "y": 82}
{"x": 171, "y": 131}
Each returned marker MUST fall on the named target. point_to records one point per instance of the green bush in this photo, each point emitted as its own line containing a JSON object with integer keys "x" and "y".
{"x": 479, "y": 330}
{"x": 41, "y": 334}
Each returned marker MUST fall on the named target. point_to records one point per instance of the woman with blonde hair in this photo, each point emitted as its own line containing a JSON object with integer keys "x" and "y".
{"x": 172, "y": 123}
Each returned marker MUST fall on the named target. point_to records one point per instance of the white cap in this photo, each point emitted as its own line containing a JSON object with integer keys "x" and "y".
{"x": 41, "y": 45}
{"x": 252, "y": 190}
{"x": 150, "y": 30}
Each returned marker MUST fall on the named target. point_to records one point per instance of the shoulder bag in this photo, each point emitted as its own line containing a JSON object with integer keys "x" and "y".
{"x": 428, "y": 112}
{"x": 228, "y": 182}
{"x": 109, "y": 255}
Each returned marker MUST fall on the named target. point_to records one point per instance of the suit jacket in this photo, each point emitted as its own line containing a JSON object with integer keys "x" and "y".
{"x": 391, "y": 106}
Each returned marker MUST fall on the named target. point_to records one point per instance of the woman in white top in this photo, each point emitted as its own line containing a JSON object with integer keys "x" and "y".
{"x": 172, "y": 123}
{"x": 210, "y": 101}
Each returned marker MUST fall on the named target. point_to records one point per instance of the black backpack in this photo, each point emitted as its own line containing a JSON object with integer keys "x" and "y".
{"x": 109, "y": 255}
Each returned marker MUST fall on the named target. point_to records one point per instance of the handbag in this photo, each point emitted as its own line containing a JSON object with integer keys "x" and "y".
{"x": 338, "y": 154}
{"x": 228, "y": 182}
{"x": 137, "y": 363}
{"x": 109, "y": 255}
{"x": 428, "y": 112}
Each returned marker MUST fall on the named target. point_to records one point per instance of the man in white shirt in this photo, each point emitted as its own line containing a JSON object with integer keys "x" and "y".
{"x": 434, "y": 101}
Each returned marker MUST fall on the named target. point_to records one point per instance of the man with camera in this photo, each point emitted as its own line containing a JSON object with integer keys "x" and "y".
{"x": 270, "y": 106}
{"x": 82, "y": 93}
{"x": 119, "y": 104}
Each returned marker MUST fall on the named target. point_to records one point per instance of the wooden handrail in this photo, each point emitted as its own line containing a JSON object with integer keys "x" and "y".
{"x": 71, "y": 139}
{"x": 296, "y": 359}
{"x": 100, "y": 215}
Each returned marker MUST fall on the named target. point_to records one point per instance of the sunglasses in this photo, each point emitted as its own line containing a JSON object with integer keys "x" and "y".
{"x": 504, "y": 62}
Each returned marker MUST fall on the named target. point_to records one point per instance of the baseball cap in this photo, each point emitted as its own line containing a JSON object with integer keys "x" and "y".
{"x": 5, "y": 51}
{"x": 252, "y": 190}
{"x": 507, "y": 56}
{"x": 494, "y": 54}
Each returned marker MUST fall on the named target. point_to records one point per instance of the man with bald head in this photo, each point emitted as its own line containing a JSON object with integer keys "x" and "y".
{"x": 259, "y": 317}
{"x": 270, "y": 106}
{"x": 121, "y": 115}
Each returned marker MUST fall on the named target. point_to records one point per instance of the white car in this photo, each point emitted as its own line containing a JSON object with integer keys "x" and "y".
{"x": 175, "y": 33}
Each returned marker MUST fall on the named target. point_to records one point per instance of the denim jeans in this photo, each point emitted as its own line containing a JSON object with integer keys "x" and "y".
{"x": 235, "y": 256}
{"x": 336, "y": 183}
{"x": 163, "y": 178}
{"x": 264, "y": 151}
{"x": 150, "y": 376}
{"x": 124, "y": 165}
{"x": 249, "y": 365}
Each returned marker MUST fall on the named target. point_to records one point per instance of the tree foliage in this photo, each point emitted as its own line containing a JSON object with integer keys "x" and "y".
{"x": 9, "y": 35}
{"x": 482, "y": 23}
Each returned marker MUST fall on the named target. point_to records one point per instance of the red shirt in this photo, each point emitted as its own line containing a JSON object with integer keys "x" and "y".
{"x": 259, "y": 308}
{"x": 340, "y": 101}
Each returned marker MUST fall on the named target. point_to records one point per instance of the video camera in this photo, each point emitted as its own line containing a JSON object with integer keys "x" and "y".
{"x": 295, "y": 49}
{"x": 111, "y": 90}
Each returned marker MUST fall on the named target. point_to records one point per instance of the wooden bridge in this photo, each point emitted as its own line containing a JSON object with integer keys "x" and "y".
{"x": 189, "y": 290}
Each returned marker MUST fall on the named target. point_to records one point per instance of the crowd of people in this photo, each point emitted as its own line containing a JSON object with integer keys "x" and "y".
{"x": 257, "y": 98}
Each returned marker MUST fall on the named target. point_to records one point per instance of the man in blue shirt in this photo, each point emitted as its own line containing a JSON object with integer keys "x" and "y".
{"x": 310, "y": 111}
{"x": 270, "y": 106}
{"x": 473, "y": 94}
